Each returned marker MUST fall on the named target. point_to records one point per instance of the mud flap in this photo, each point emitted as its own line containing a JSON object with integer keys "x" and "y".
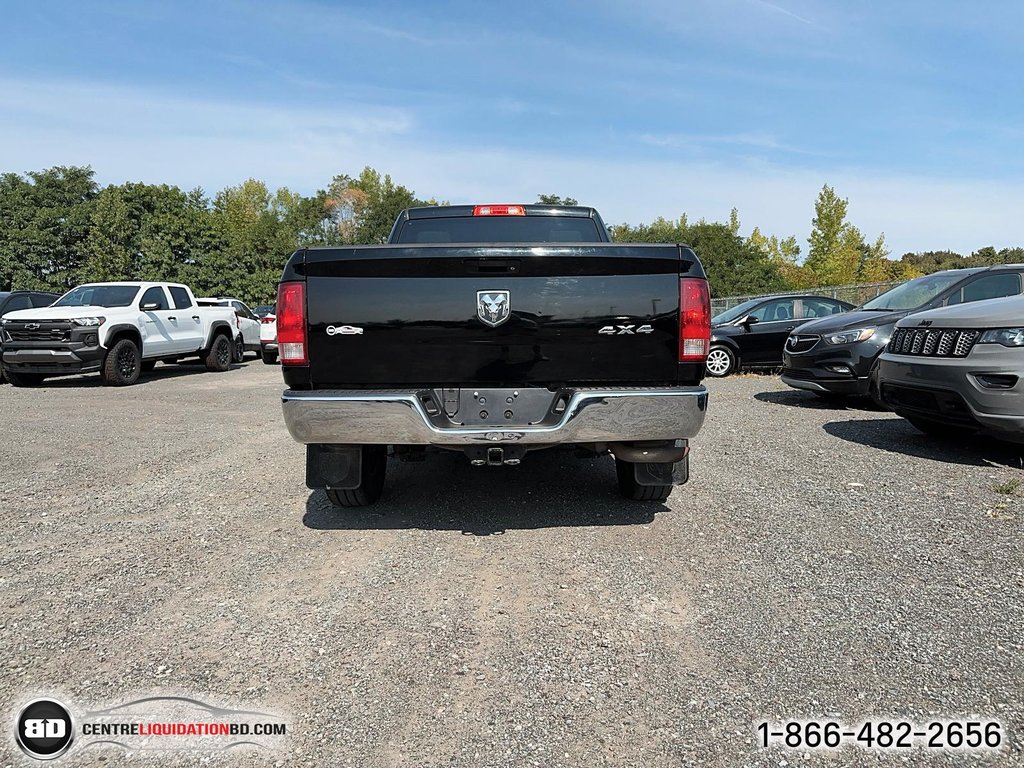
{"x": 677, "y": 473}
{"x": 338, "y": 467}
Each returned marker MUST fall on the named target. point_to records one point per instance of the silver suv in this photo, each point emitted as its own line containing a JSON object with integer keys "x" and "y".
{"x": 959, "y": 369}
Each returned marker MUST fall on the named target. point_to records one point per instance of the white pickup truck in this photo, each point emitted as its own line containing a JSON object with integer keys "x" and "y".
{"x": 119, "y": 329}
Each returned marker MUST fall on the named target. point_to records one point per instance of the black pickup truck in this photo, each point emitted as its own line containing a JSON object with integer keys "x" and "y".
{"x": 493, "y": 330}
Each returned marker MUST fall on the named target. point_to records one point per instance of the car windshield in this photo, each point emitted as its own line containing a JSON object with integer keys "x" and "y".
{"x": 736, "y": 312}
{"x": 914, "y": 293}
{"x": 98, "y": 296}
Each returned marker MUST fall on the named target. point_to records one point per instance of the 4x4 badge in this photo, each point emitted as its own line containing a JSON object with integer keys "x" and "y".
{"x": 493, "y": 307}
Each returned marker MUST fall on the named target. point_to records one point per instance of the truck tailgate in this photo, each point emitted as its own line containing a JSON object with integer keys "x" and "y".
{"x": 381, "y": 316}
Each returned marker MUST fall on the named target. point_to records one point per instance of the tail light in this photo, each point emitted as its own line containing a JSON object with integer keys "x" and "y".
{"x": 291, "y": 324}
{"x": 694, "y": 319}
{"x": 267, "y": 319}
{"x": 499, "y": 210}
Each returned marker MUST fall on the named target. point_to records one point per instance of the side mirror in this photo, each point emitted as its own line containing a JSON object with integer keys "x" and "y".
{"x": 748, "y": 321}
{"x": 151, "y": 306}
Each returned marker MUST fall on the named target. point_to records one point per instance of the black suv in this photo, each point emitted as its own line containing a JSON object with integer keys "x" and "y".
{"x": 752, "y": 333}
{"x": 838, "y": 355}
{"x": 14, "y": 300}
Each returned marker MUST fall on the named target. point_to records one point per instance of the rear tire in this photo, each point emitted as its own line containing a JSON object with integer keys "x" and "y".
{"x": 24, "y": 379}
{"x": 122, "y": 365}
{"x": 238, "y": 350}
{"x": 218, "y": 356}
{"x": 631, "y": 489}
{"x": 371, "y": 480}
{"x": 269, "y": 357}
{"x": 721, "y": 362}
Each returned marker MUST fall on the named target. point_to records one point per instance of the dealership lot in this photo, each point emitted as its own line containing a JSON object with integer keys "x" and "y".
{"x": 823, "y": 562}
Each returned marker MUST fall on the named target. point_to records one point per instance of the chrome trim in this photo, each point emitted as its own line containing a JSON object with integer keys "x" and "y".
{"x": 811, "y": 386}
{"x": 44, "y": 356}
{"x": 815, "y": 336}
{"x": 399, "y": 418}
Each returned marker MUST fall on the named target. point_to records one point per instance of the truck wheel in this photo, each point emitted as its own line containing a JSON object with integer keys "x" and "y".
{"x": 24, "y": 379}
{"x": 269, "y": 357}
{"x": 631, "y": 489}
{"x": 371, "y": 480}
{"x": 218, "y": 356}
{"x": 721, "y": 362}
{"x": 122, "y": 365}
{"x": 238, "y": 350}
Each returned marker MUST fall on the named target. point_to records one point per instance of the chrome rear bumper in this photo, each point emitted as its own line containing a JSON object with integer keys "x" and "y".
{"x": 399, "y": 418}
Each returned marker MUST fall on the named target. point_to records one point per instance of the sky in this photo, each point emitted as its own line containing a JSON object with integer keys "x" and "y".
{"x": 912, "y": 110}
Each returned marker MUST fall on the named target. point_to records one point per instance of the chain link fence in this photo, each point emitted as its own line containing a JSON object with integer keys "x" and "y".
{"x": 855, "y": 294}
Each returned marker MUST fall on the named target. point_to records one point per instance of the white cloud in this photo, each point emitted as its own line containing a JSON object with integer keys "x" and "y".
{"x": 142, "y": 135}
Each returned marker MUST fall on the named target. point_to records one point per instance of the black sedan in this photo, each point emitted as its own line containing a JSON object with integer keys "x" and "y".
{"x": 752, "y": 334}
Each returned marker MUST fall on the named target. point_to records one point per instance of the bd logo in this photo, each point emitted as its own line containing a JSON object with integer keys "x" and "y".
{"x": 45, "y": 729}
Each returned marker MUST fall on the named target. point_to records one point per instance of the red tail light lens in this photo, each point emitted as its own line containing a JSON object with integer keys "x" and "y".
{"x": 694, "y": 319}
{"x": 267, "y": 320}
{"x": 499, "y": 210}
{"x": 291, "y": 324}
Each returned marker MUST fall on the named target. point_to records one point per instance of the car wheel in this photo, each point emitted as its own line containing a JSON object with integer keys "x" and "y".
{"x": 238, "y": 350}
{"x": 371, "y": 480}
{"x": 721, "y": 362}
{"x": 122, "y": 365}
{"x": 632, "y": 490}
{"x": 939, "y": 428}
{"x": 218, "y": 356}
{"x": 24, "y": 379}
{"x": 268, "y": 357}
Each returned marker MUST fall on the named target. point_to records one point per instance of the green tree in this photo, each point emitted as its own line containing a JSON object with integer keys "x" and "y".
{"x": 556, "y": 200}
{"x": 875, "y": 266}
{"x": 44, "y": 220}
{"x": 148, "y": 232}
{"x": 255, "y": 244}
{"x": 365, "y": 208}
{"x": 785, "y": 254}
{"x": 733, "y": 265}
{"x": 834, "y": 253}
{"x": 258, "y": 231}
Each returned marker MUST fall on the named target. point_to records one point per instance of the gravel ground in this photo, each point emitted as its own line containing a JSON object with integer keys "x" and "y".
{"x": 822, "y": 562}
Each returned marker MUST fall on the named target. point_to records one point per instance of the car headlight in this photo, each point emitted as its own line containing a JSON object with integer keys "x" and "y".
{"x": 849, "y": 337}
{"x": 1008, "y": 337}
{"x": 88, "y": 321}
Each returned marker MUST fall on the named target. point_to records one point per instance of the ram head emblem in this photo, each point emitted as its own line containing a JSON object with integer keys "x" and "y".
{"x": 493, "y": 307}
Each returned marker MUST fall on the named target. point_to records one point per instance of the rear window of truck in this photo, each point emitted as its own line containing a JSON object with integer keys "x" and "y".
{"x": 500, "y": 229}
